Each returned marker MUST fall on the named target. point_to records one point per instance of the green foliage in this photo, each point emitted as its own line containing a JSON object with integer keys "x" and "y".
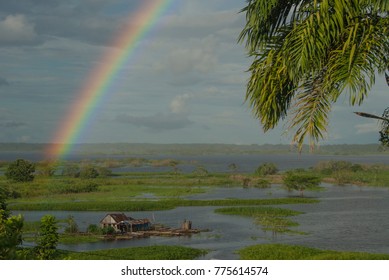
{"x": 344, "y": 172}
{"x": 301, "y": 181}
{"x": 147, "y": 205}
{"x": 108, "y": 230}
{"x": 71, "y": 170}
{"x": 307, "y": 53}
{"x": 261, "y": 184}
{"x": 88, "y": 172}
{"x": 4, "y": 194}
{"x": 20, "y": 171}
{"x": 294, "y": 252}
{"x": 103, "y": 171}
{"x": 94, "y": 229}
{"x": 84, "y": 186}
{"x": 155, "y": 252}
{"x": 10, "y": 229}
{"x": 201, "y": 171}
{"x": 72, "y": 226}
{"x": 267, "y": 168}
{"x": 10, "y": 235}
{"x": 46, "y": 168}
{"x": 47, "y": 239}
{"x": 271, "y": 219}
{"x": 233, "y": 167}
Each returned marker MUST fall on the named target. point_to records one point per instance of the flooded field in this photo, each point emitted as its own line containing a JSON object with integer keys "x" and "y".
{"x": 348, "y": 218}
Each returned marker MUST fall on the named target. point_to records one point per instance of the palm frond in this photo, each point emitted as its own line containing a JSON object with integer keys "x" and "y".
{"x": 311, "y": 113}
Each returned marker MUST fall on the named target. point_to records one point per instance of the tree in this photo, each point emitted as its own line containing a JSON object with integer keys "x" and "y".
{"x": 300, "y": 181}
{"x": 307, "y": 53}
{"x": 10, "y": 230}
{"x": 20, "y": 171}
{"x": 10, "y": 235}
{"x": 47, "y": 239}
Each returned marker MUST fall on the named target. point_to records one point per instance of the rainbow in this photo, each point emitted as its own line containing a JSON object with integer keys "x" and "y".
{"x": 100, "y": 79}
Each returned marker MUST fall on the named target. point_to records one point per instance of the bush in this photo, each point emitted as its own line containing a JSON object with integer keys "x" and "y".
{"x": 71, "y": 170}
{"x": 72, "y": 226}
{"x": 108, "y": 230}
{"x": 95, "y": 229}
{"x": 20, "y": 171}
{"x": 104, "y": 172}
{"x": 300, "y": 181}
{"x": 75, "y": 187}
{"x": 267, "y": 168}
{"x": 88, "y": 172}
{"x": 262, "y": 184}
{"x": 48, "y": 238}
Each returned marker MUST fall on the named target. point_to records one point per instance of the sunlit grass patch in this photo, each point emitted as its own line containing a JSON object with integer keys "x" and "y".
{"x": 270, "y": 218}
{"x": 294, "y": 252}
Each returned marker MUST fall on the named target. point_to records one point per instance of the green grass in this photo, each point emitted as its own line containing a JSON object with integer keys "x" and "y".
{"x": 294, "y": 252}
{"x": 149, "y": 205}
{"x": 270, "y": 218}
{"x": 137, "y": 253}
{"x": 78, "y": 238}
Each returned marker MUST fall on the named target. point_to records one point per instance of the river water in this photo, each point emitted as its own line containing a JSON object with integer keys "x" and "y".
{"x": 348, "y": 218}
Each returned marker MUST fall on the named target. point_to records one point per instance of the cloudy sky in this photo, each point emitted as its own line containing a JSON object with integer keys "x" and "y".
{"x": 184, "y": 84}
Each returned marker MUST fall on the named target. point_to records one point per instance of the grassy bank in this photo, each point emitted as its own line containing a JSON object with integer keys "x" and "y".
{"x": 156, "y": 252}
{"x": 270, "y": 218}
{"x": 150, "y": 205}
{"x": 293, "y": 252}
{"x": 136, "y": 253}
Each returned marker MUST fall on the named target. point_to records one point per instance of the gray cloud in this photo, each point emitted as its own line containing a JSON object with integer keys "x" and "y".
{"x": 11, "y": 124}
{"x": 17, "y": 30}
{"x": 157, "y": 122}
{"x": 90, "y": 21}
{"x": 3, "y": 82}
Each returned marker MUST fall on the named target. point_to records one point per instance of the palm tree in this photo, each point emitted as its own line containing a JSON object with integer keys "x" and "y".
{"x": 307, "y": 53}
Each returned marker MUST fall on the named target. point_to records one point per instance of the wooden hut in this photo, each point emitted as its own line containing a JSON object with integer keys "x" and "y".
{"x": 121, "y": 223}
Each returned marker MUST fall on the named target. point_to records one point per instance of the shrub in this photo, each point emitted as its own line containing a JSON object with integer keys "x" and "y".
{"x": 20, "y": 171}
{"x": 48, "y": 238}
{"x": 72, "y": 226}
{"x": 262, "y": 184}
{"x": 267, "y": 168}
{"x": 108, "y": 230}
{"x": 95, "y": 229}
{"x": 75, "y": 187}
{"x": 71, "y": 170}
{"x": 88, "y": 172}
{"x": 104, "y": 172}
{"x": 300, "y": 181}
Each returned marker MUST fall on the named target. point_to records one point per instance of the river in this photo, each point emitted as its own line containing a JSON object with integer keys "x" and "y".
{"x": 348, "y": 218}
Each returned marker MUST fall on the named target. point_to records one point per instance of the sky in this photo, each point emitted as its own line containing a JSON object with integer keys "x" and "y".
{"x": 185, "y": 82}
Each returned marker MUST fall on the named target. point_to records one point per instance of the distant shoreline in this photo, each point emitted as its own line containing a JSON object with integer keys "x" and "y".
{"x": 198, "y": 149}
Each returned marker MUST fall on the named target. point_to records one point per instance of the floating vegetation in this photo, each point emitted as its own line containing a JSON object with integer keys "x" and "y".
{"x": 270, "y": 218}
{"x": 294, "y": 252}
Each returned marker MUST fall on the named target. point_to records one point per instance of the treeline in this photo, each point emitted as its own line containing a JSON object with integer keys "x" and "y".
{"x": 196, "y": 149}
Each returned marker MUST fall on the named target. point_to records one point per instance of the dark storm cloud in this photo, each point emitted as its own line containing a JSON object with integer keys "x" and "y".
{"x": 157, "y": 122}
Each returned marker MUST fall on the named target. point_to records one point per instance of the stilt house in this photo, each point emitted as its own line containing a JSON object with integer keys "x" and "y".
{"x": 121, "y": 223}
